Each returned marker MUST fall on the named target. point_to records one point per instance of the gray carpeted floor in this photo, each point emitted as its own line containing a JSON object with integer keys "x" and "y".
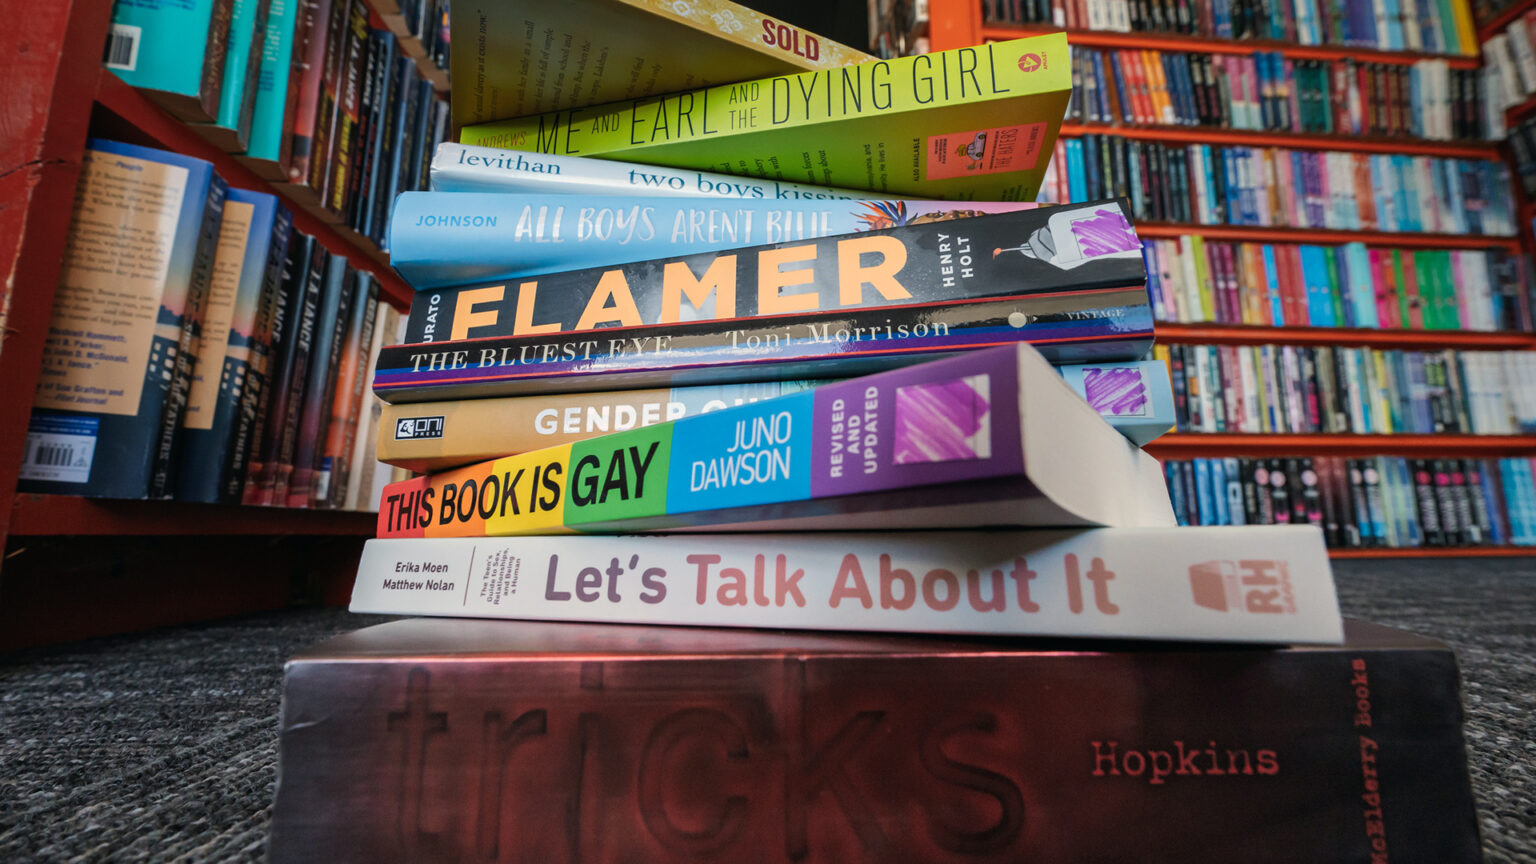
{"x": 162, "y": 746}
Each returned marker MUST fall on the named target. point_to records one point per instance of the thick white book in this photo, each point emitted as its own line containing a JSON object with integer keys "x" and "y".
{"x": 1268, "y": 584}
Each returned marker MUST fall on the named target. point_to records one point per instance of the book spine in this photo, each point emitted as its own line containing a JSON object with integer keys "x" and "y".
{"x": 347, "y": 403}
{"x": 1267, "y": 586}
{"x": 308, "y": 75}
{"x": 273, "y": 488}
{"x": 440, "y": 239}
{"x": 331, "y": 321}
{"x": 269, "y": 144}
{"x": 341, "y": 166}
{"x": 283, "y": 313}
{"x": 266, "y": 340}
{"x": 954, "y": 423}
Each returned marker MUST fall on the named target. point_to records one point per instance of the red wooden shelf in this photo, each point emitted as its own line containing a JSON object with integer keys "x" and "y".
{"x": 1176, "y": 445}
{"x": 1211, "y": 45}
{"x": 1514, "y": 113}
{"x": 1436, "y": 552}
{"x": 51, "y": 515}
{"x": 1501, "y": 20}
{"x": 1227, "y": 334}
{"x": 1289, "y": 140}
{"x": 1261, "y": 234}
{"x": 308, "y": 216}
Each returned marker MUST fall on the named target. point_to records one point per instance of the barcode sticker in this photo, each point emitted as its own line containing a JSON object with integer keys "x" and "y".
{"x": 60, "y": 453}
{"x": 123, "y": 47}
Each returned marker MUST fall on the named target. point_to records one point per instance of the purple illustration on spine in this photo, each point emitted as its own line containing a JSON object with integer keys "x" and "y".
{"x": 866, "y": 433}
{"x": 1074, "y": 236}
{"x": 1117, "y": 391}
{"x": 943, "y": 422}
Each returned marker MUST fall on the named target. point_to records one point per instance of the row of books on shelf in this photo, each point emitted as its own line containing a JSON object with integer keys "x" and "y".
{"x": 1336, "y": 389}
{"x": 427, "y": 22}
{"x": 1195, "y": 280}
{"x": 1276, "y": 187}
{"x": 1509, "y": 57}
{"x": 216, "y": 354}
{"x": 1428, "y": 26}
{"x": 307, "y": 94}
{"x": 1269, "y": 92}
{"x": 1367, "y": 502}
{"x": 1522, "y": 147}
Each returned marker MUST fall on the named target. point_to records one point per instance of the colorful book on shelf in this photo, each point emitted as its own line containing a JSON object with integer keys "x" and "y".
{"x": 332, "y": 463}
{"x": 118, "y": 358}
{"x": 173, "y": 52}
{"x": 268, "y": 484}
{"x": 996, "y": 437}
{"x": 1157, "y": 752}
{"x": 924, "y": 126}
{"x": 230, "y": 131}
{"x": 555, "y": 56}
{"x": 1069, "y": 279}
{"x": 1270, "y": 584}
{"x": 343, "y": 287}
{"x": 466, "y": 168}
{"x": 430, "y": 436}
{"x": 247, "y": 269}
{"x": 275, "y": 99}
{"x": 440, "y": 239}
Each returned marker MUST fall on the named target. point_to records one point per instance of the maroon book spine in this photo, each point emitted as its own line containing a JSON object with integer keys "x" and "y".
{"x": 435, "y": 740}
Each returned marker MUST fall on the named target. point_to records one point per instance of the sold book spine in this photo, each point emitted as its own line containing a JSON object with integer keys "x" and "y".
{"x": 265, "y": 341}
{"x": 531, "y": 58}
{"x": 231, "y": 129}
{"x": 347, "y": 400}
{"x": 282, "y": 317}
{"x": 308, "y": 73}
{"x": 1263, "y": 584}
{"x": 288, "y": 404}
{"x": 297, "y": 477}
{"x": 113, "y": 381}
{"x": 990, "y": 425}
{"x": 268, "y": 149}
{"x": 467, "y": 168}
{"x": 929, "y": 125}
{"x": 439, "y": 239}
{"x": 459, "y": 740}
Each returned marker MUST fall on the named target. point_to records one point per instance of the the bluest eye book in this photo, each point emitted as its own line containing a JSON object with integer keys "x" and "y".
{"x": 992, "y": 437}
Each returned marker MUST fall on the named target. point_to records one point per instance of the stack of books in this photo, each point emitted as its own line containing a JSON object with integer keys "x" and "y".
{"x": 640, "y": 399}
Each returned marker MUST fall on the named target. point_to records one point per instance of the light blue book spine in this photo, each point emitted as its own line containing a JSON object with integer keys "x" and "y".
{"x": 1272, "y": 281}
{"x": 1136, "y": 397}
{"x": 440, "y": 239}
{"x": 267, "y": 117}
{"x": 163, "y": 46}
{"x": 247, "y": 39}
{"x": 1362, "y": 292}
{"x": 467, "y": 168}
{"x": 1204, "y": 495}
{"x": 1219, "y": 491}
{"x": 1077, "y": 177}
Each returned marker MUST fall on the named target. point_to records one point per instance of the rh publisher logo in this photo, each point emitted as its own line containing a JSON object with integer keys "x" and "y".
{"x": 1260, "y": 587}
{"x": 418, "y": 427}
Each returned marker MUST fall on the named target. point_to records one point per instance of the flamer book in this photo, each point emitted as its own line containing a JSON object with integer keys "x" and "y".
{"x": 1072, "y": 262}
{"x": 991, "y": 437}
{"x": 1270, "y": 584}
{"x": 968, "y": 123}
{"x": 466, "y": 168}
{"x": 441, "y": 740}
{"x": 1135, "y": 398}
{"x": 512, "y": 60}
{"x": 439, "y": 239}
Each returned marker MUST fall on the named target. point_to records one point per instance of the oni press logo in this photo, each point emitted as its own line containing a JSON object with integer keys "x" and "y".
{"x": 418, "y": 427}
{"x": 1258, "y": 587}
{"x": 1031, "y": 62}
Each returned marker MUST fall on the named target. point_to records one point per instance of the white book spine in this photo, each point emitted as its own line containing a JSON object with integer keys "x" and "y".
{"x": 1260, "y": 584}
{"x": 468, "y": 168}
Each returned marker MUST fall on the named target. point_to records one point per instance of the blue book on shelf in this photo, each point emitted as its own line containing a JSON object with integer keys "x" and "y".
{"x": 1204, "y": 494}
{"x": 267, "y": 149}
{"x": 173, "y": 51}
{"x": 1394, "y": 26}
{"x": 1272, "y": 283}
{"x": 1208, "y": 168}
{"x": 1219, "y": 491}
{"x": 1486, "y": 487}
{"x": 1077, "y": 178}
{"x": 117, "y": 362}
{"x": 1362, "y": 288}
{"x": 231, "y": 130}
{"x": 1174, "y": 478}
{"x": 1314, "y": 272}
{"x": 1126, "y": 115}
{"x": 1101, "y": 92}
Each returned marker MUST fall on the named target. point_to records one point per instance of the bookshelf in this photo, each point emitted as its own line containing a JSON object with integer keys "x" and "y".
{"x": 956, "y": 23}
{"x": 58, "y": 95}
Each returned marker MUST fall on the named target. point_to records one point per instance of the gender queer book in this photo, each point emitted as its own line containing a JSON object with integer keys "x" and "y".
{"x": 465, "y": 168}
{"x": 118, "y": 359}
{"x": 246, "y": 269}
{"x": 967, "y": 123}
{"x": 514, "y": 60}
{"x": 1135, "y": 397}
{"x": 992, "y": 437}
{"x": 1073, "y": 278}
{"x": 1267, "y": 584}
{"x": 172, "y": 51}
{"x": 231, "y": 129}
{"x": 439, "y": 239}
{"x": 605, "y": 742}
{"x": 276, "y": 96}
